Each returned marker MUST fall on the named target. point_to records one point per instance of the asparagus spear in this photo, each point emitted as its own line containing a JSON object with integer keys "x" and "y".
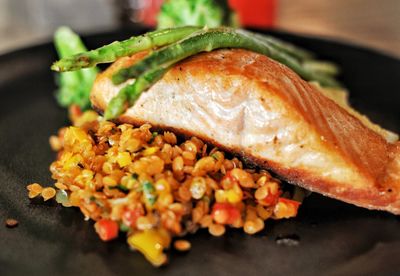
{"x": 111, "y": 52}
{"x": 323, "y": 67}
{"x": 208, "y": 40}
{"x": 285, "y": 47}
{"x": 74, "y": 87}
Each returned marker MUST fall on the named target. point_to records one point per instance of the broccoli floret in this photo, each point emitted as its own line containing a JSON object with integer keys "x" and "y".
{"x": 176, "y": 13}
{"x": 73, "y": 87}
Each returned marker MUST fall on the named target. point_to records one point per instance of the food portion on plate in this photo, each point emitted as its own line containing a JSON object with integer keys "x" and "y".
{"x": 155, "y": 187}
{"x": 250, "y": 105}
{"x": 194, "y": 118}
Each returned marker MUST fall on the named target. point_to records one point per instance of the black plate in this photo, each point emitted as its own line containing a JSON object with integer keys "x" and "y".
{"x": 335, "y": 238}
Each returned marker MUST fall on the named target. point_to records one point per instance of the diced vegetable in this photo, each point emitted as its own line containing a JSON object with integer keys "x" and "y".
{"x": 149, "y": 193}
{"x": 286, "y": 208}
{"x": 225, "y": 213}
{"x": 124, "y": 159}
{"x": 268, "y": 194}
{"x": 106, "y": 229}
{"x": 62, "y": 198}
{"x": 151, "y": 244}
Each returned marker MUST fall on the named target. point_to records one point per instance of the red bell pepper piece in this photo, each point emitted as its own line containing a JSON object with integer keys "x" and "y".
{"x": 106, "y": 229}
{"x": 225, "y": 213}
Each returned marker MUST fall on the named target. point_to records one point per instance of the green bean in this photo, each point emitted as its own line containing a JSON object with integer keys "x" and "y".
{"x": 111, "y": 52}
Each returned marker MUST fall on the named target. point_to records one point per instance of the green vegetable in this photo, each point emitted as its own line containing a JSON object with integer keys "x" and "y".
{"x": 111, "y": 52}
{"x": 214, "y": 156}
{"x": 123, "y": 227}
{"x": 74, "y": 87}
{"x": 149, "y": 192}
{"x": 323, "y": 67}
{"x": 130, "y": 93}
{"x": 121, "y": 188}
{"x": 285, "y": 47}
{"x": 153, "y": 136}
{"x": 175, "y": 13}
{"x": 62, "y": 198}
{"x": 208, "y": 40}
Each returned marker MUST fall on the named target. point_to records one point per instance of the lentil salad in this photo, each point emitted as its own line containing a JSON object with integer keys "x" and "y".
{"x": 155, "y": 187}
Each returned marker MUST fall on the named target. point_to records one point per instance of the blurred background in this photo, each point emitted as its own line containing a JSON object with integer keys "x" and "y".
{"x": 371, "y": 23}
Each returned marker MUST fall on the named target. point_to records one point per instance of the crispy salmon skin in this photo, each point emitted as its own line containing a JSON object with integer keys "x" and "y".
{"x": 255, "y": 107}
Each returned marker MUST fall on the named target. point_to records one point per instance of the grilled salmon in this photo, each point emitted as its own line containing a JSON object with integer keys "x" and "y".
{"x": 255, "y": 107}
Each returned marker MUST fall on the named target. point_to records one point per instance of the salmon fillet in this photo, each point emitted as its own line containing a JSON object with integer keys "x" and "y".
{"x": 248, "y": 104}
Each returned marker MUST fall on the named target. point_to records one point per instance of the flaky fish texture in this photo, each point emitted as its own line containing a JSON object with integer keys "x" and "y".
{"x": 257, "y": 108}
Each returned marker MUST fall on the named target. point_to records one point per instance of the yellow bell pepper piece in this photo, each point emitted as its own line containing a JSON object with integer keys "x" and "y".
{"x": 124, "y": 159}
{"x": 151, "y": 244}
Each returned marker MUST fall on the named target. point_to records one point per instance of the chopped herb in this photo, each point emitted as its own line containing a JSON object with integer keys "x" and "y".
{"x": 99, "y": 203}
{"x": 139, "y": 189}
{"x": 153, "y": 135}
{"x": 120, "y": 187}
{"x": 206, "y": 199}
{"x": 151, "y": 199}
{"x": 123, "y": 227}
{"x": 148, "y": 191}
{"x": 95, "y": 200}
{"x": 148, "y": 187}
{"x": 135, "y": 176}
{"x": 214, "y": 156}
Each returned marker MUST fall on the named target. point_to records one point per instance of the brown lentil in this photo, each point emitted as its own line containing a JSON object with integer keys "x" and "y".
{"x": 11, "y": 223}
{"x": 216, "y": 229}
{"x": 253, "y": 226}
{"x": 34, "y": 189}
{"x": 182, "y": 245}
{"x": 55, "y": 143}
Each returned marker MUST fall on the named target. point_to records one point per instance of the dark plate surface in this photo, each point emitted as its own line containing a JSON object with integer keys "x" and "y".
{"x": 335, "y": 238}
